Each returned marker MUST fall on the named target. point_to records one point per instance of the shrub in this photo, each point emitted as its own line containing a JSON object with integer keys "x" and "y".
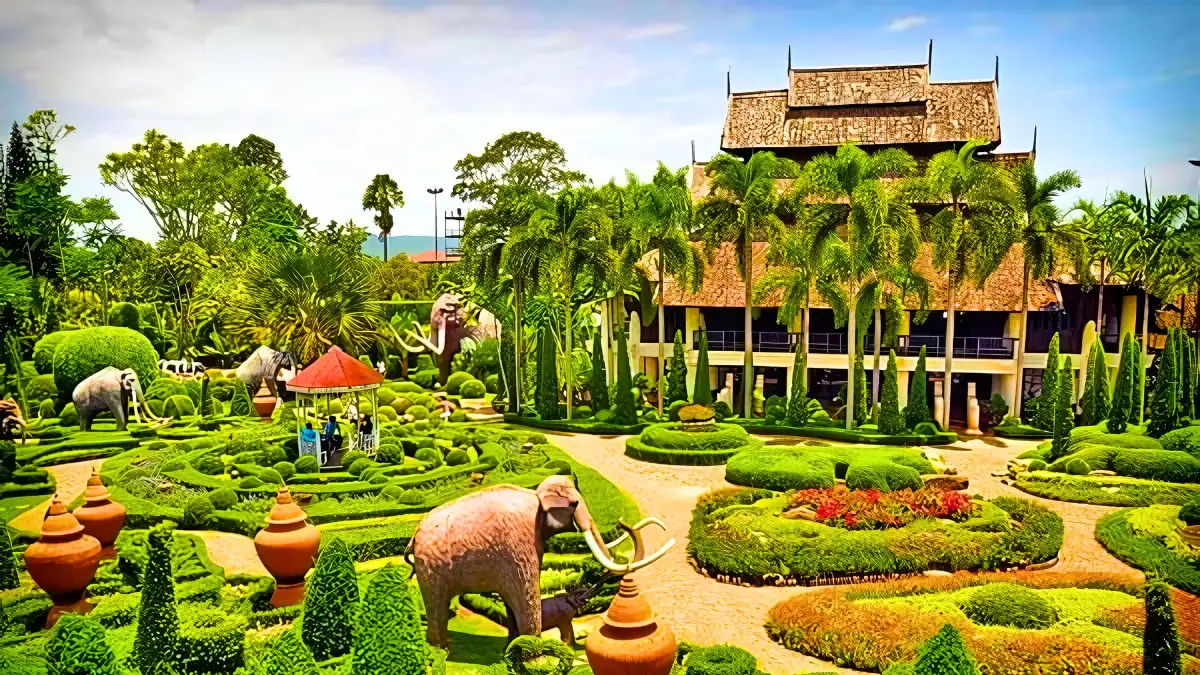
{"x": 270, "y": 476}
{"x": 917, "y": 409}
{"x": 533, "y": 655}
{"x": 164, "y": 388}
{"x": 1190, "y": 513}
{"x": 418, "y": 412}
{"x": 882, "y": 476}
{"x": 1186, "y": 440}
{"x": 1174, "y": 467}
{"x": 125, "y": 315}
{"x": 891, "y": 421}
{"x": 431, "y": 456}
{"x": 1123, "y": 392}
{"x": 392, "y": 492}
{"x": 360, "y": 465}
{"x": 78, "y": 647}
{"x": 223, "y": 498}
{"x": 68, "y": 417}
{"x": 457, "y": 457}
{"x": 330, "y": 600}
{"x": 721, "y": 660}
{"x": 387, "y": 412}
{"x": 1165, "y": 410}
{"x": 158, "y": 623}
{"x": 598, "y": 384}
{"x": 353, "y": 456}
{"x": 390, "y": 453}
{"x": 1009, "y": 605}
{"x": 210, "y": 640}
{"x": 208, "y": 464}
{"x": 9, "y": 577}
{"x": 1078, "y": 467}
{"x": 46, "y": 409}
{"x": 179, "y": 406}
{"x": 1037, "y": 465}
{"x": 1160, "y": 644}
{"x": 198, "y": 511}
{"x": 250, "y": 482}
{"x": 473, "y": 389}
{"x": 290, "y": 656}
{"x": 307, "y": 464}
{"x": 285, "y": 470}
{"x": 90, "y": 350}
{"x": 425, "y": 379}
{"x": 945, "y": 654}
{"x": 41, "y": 387}
{"x": 389, "y": 640}
{"x": 926, "y": 429}
{"x": 43, "y": 351}
{"x": 456, "y": 380}
{"x": 410, "y": 387}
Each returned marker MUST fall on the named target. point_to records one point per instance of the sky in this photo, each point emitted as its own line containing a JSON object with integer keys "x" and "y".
{"x": 353, "y": 88}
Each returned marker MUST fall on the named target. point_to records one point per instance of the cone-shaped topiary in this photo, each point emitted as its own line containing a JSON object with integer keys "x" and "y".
{"x": 1043, "y": 417}
{"x": 77, "y": 647}
{"x": 329, "y": 602}
{"x": 917, "y": 409}
{"x": 1096, "y": 401}
{"x": 797, "y": 408}
{"x": 862, "y": 402}
{"x": 890, "y": 419}
{"x": 1187, "y": 379}
{"x": 1122, "y": 399}
{"x": 623, "y": 407}
{"x": 206, "y": 406}
{"x": 508, "y": 354}
{"x": 546, "y": 401}
{"x": 1160, "y": 642}
{"x": 945, "y": 654}
{"x": 677, "y": 376}
{"x": 290, "y": 656}
{"x": 158, "y": 622}
{"x": 599, "y": 383}
{"x": 8, "y": 563}
{"x": 702, "y": 389}
{"x": 1064, "y": 409}
{"x": 1139, "y": 383}
{"x": 389, "y": 640}
{"x": 1164, "y": 407}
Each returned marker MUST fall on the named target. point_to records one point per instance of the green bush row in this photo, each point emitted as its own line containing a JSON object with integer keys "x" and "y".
{"x": 841, "y": 435}
{"x": 804, "y": 467}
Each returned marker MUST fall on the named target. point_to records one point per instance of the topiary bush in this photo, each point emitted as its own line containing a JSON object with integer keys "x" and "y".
{"x": 1078, "y": 467}
{"x": 883, "y": 476}
{"x": 178, "y": 407}
{"x": 389, "y": 640}
{"x": 42, "y": 387}
{"x": 1186, "y": 440}
{"x": 223, "y": 498}
{"x": 1009, "y": 605}
{"x": 721, "y": 660}
{"x": 945, "y": 654}
{"x": 418, "y": 412}
{"x": 158, "y": 622}
{"x": 90, "y": 350}
{"x": 285, "y": 470}
{"x": 359, "y": 465}
{"x": 290, "y": 656}
{"x": 46, "y": 409}
{"x": 431, "y": 456}
{"x": 250, "y": 482}
{"x": 330, "y": 601}
{"x": 456, "y": 381}
{"x": 472, "y": 389}
{"x": 210, "y": 640}
{"x": 125, "y": 315}
{"x": 270, "y": 476}
{"x": 533, "y": 655}
{"x": 307, "y": 464}
{"x": 457, "y": 457}
{"x": 43, "y": 351}
{"x": 198, "y": 512}
{"x": 69, "y": 416}
{"x": 1037, "y": 465}
{"x": 78, "y": 647}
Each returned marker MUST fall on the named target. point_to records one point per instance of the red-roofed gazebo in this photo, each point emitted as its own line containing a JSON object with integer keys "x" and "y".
{"x": 335, "y": 376}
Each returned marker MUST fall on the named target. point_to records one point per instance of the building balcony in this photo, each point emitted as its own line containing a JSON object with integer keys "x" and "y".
{"x": 835, "y": 343}
{"x": 735, "y": 341}
{"x": 964, "y": 347}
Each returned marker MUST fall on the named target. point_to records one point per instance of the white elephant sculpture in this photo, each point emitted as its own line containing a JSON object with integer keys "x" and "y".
{"x": 181, "y": 367}
{"x": 264, "y": 364}
{"x": 106, "y": 390}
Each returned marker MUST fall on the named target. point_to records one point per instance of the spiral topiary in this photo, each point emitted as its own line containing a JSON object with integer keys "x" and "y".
{"x": 85, "y": 352}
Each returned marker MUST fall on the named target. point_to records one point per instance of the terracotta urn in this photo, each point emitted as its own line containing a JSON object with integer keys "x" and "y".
{"x": 631, "y": 641}
{"x": 100, "y": 516}
{"x": 264, "y": 402}
{"x": 1190, "y": 535}
{"x": 63, "y": 562}
{"x": 287, "y": 548}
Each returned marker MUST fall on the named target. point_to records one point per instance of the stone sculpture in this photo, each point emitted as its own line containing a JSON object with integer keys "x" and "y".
{"x": 492, "y": 541}
{"x": 263, "y": 366}
{"x": 448, "y": 324}
{"x": 107, "y": 390}
{"x": 559, "y": 610}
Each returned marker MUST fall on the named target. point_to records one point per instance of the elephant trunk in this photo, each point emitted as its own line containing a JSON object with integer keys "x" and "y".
{"x": 591, "y": 533}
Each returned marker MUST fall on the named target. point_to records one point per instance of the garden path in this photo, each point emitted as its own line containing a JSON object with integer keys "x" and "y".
{"x": 704, "y": 611}
{"x": 234, "y": 552}
{"x": 71, "y": 480}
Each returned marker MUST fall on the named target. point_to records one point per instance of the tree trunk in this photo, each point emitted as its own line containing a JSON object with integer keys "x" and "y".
{"x": 385, "y": 238}
{"x": 518, "y": 367}
{"x": 568, "y": 369}
{"x": 1019, "y": 393}
{"x": 748, "y": 339}
{"x": 1141, "y": 402}
{"x": 662, "y": 333}
{"x": 851, "y": 333}
{"x": 878, "y": 341}
{"x": 948, "y": 375}
{"x": 606, "y": 324}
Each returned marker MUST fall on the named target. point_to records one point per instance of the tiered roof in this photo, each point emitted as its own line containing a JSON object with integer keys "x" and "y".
{"x": 867, "y": 105}
{"x": 335, "y": 371}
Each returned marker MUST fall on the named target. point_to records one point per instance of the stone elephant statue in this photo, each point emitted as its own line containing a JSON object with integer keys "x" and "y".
{"x": 107, "y": 390}
{"x": 448, "y": 325}
{"x": 492, "y": 541}
{"x": 264, "y": 364}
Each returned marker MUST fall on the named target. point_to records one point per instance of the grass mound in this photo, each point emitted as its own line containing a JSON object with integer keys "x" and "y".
{"x": 1009, "y": 605}
{"x": 1148, "y": 539}
{"x": 805, "y": 467}
{"x": 699, "y": 445}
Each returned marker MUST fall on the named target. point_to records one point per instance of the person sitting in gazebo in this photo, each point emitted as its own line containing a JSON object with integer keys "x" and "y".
{"x": 309, "y": 439}
{"x": 365, "y": 432}
{"x": 333, "y": 436}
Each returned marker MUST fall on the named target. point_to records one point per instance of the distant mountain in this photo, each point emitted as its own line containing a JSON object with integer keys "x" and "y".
{"x": 408, "y": 244}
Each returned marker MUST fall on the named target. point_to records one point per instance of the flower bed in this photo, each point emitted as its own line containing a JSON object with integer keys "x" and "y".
{"x": 1148, "y": 539}
{"x": 743, "y": 536}
{"x": 1089, "y": 622}
{"x": 699, "y": 445}
{"x": 874, "y": 510}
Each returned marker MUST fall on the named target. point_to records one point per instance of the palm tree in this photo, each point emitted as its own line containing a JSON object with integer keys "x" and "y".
{"x": 566, "y": 237}
{"x": 663, "y": 223}
{"x": 1094, "y": 223}
{"x": 743, "y": 203}
{"x": 793, "y": 264}
{"x": 973, "y": 234}
{"x": 382, "y": 196}
{"x": 1144, "y": 230}
{"x": 1045, "y": 240}
{"x": 882, "y": 234}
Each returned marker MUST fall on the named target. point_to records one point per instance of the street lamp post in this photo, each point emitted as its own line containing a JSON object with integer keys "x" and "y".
{"x": 435, "y": 192}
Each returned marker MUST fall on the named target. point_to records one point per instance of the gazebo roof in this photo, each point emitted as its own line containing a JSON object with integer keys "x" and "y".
{"x": 335, "y": 371}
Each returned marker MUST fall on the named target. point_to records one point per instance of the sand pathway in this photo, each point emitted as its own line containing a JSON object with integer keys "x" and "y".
{"x": 71, "y": 480}
{"x": 234, "y": 552}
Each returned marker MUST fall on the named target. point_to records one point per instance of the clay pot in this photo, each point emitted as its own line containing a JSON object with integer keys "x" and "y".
{"x": 287, "y": 548}
{"x": 100, "y": 516}
{"x": 264, "y": 402}
{"x": 63, "y": 561}
{"x": 630, "y": 642}
{"x": 1190, "y": 535}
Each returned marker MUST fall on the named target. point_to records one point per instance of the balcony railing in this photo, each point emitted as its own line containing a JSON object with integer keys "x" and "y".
{"x": 735, "y": 341}
{"x": 964, "y": 347}
{"x": 827, "y": 343}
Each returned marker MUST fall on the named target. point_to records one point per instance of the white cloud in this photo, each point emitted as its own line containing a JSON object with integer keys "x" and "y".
{"x": 905, "y": 22}
{"x": 344, "y": 90}
{"x": 654, "y": 30}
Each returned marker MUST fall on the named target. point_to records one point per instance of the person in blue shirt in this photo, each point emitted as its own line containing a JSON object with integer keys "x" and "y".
{"x": 308, "y": 434}
{"x": 333, "y": 435}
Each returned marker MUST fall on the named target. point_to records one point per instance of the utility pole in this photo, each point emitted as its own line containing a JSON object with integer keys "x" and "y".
{"x": 435, "y": 192}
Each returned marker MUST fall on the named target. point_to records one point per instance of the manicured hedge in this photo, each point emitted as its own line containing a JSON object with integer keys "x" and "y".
{"x": 843, "y": 436}
{"x": 673, "y": 443}
{"x": 85, "y": 352}
{"x": 587, "y": 426}
{"x": 804, "y": 467}
{"x": 1105, "y": 490}
{"x": 43, "y": 351}
{"x": 1151, "y": 555}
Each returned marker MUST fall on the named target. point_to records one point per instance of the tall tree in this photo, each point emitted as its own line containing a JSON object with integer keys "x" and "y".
{"x": 381, "y": 196}
{"x": 1123, "y": 391}
{"x": 1064, "y": 409}
{"x": 1095, "y": 224}
{"x": 257, "y": 151}
{"x": 1143, "y": 236}
{"x": 677, "y": 377}
{"x": 882, "y": 239}
{"x": 1046, "y": 241}
{"x": 1043, "y": 414}
{"x": 547, "y": 382}
{"x": 701, "y": 389}
{"x": 44, "y": 131}
{"x": 663, "y": 225}
{"x": 564, "y": 242}
{"x": 743, "y": 204}
{"x": 890, "y": 419}
{"x": 599, "y": 385}
{"x": 18, "y": 166}
{"x": 1164, "y": 412}
{"x": 623, "y": 403}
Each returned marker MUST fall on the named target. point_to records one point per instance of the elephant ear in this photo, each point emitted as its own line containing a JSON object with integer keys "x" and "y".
{"x": 552, "y": 499}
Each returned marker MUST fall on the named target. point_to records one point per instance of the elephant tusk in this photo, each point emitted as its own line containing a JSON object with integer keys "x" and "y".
{"x": 618, "y": 569}
{"x": 642, "y": 523}
{"x": 634, "y": 566}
